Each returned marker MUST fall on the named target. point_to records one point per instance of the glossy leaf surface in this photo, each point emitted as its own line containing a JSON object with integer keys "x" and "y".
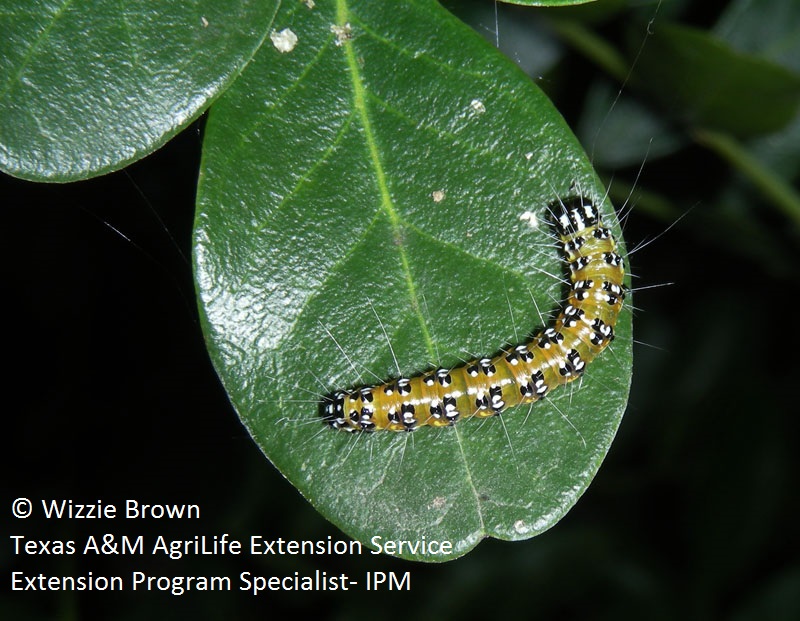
{"x": 378, "y": 192}
{"x": 88, "y": 87}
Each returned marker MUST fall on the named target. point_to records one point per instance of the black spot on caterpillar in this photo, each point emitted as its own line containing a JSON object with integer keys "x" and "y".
{"x": 521, "y": 374}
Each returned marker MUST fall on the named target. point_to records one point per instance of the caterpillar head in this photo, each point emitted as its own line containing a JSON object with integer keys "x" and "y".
{"x": 574, "y": 214}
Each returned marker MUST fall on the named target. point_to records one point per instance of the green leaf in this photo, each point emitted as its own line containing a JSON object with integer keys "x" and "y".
{"x": 525, "y": 38}
{"x": 324, "y": 248}
{"x": 88, "y": 87}
{"x": 769, "y": 29}
{"x": 697, "y": 77}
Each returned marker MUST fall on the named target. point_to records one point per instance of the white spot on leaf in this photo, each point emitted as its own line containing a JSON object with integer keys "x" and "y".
{"x": 284, "y": 41}
{"x": 530, "y": 218}
{"x": 343, "y": 33}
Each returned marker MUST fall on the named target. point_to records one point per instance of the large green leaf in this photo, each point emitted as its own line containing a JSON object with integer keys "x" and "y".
{"x": 697, "y": 76}
{"x": 368, "y": 194}
{"x": 88, "y": 87}
{"x": 769, "y": 29}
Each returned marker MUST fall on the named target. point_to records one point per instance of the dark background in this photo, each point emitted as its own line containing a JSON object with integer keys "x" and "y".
{"x": 109, "y": 394}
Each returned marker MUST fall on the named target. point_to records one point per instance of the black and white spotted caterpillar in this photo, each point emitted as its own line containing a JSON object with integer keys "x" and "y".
{"x": 521, "y": 374}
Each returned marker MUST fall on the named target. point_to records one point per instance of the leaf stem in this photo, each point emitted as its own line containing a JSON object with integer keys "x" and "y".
{"x": 780, "y": 193}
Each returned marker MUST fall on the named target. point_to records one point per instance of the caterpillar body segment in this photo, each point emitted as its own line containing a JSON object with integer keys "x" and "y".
{"x": 518, "y": 375}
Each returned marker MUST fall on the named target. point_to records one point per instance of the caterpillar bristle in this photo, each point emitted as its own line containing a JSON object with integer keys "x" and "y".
{"x": 520, "y": 374}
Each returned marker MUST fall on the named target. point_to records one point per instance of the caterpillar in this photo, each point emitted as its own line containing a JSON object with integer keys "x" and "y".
{"x": 517, "y": 375}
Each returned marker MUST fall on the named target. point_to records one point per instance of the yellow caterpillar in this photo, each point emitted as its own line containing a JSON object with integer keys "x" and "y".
{"x": 522, "y": 374}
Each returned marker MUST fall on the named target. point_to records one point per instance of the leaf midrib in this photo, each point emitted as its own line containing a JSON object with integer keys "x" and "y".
{"x": 387, "y": 205}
